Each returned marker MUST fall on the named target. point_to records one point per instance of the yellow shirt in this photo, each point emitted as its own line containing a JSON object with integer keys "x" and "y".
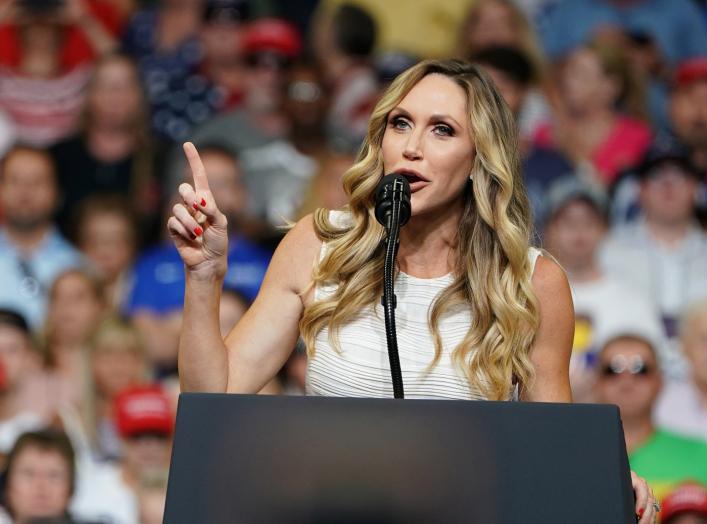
{"x": 425, "y": 28}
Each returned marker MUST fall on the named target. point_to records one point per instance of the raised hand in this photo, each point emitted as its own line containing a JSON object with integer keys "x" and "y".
{"x": 197, "y": 227}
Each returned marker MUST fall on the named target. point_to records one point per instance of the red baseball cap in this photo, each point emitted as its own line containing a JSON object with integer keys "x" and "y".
{"x": 690, "y": 71}
{"x": 689, "y": 497}
{"x": 143, "y": 409}
{"x": 272, "y": 35}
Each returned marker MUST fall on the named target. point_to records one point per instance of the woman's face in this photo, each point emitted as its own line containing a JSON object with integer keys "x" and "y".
{"x": 584, "y": 84}
{"x": 428, "y": 139}
{"x": 115, "y": 368}
{"x": 73, "y": 309}
{"x": 115, "y": 97}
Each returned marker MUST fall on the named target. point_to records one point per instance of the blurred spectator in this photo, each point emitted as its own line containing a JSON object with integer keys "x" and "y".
{"x": 113, "y": 151}
{"x": 601, "y": 107}
{"x": 675, "y": 24}
{"x": 117, "y": 362}
{"x": 106, "y": 233}
{"x": 83, "y": 29}
{"x": 40, "y": 88}
{"x": 221, "y": 36}
{"x": 575, "y": 225}
{"x": 41, "y": 478}
{"x": 343, "y": 42}
{"x": 686, "y": 504}
{"x": 502, "y": 23}
{"x": 683, "y": 405}
{"x": 156, "y": 300}
{"x": 629, "y": 376}
{"x": 76, "y": 304}
{"x": 663, "y": 252}
{"x": 688, "y": 122}
{"x": 424, "y": 28}
{"x": 32, "y": 252}
{"x": 164, "y": 40}
{"x": 145, "y": 423}
{"x": 16, "y": 363}
{"x": 152, "y": 495}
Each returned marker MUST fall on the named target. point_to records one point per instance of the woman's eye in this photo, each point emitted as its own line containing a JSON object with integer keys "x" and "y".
{"x": 443, "y": 130}
{"x": 399, "y": 123}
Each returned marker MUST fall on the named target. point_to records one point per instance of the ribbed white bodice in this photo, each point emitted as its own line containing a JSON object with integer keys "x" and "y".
{"x": 362, "y": 368}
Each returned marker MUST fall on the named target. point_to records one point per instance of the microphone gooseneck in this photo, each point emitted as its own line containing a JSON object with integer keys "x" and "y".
{"x": 392, "y": 211}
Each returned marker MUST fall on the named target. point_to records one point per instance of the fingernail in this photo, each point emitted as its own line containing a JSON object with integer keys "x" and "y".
{"x": 198, "y": 231}
{"x": 195, "y": 206}
{"x": 641, "y": 512}
{"x": 203, "y": 202}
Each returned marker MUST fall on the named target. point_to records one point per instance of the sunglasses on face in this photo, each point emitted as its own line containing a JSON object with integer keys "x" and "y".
{"x": 621, "y": 364}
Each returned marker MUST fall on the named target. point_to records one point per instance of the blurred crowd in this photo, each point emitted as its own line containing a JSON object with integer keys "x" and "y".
{"x": 96, "y": 97}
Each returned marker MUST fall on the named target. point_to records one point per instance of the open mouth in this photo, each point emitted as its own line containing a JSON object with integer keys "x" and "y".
{"x": 412, "y": 178}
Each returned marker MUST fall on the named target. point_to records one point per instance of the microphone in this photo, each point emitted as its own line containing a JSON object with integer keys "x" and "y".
{"x": 393, "y": 188}
{"x": 393, "y": 211}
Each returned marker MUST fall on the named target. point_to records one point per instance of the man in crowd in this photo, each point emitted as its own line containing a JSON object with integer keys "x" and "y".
{"x": 687, "y": 112}
{"x": 629, "y": 375}
{"x": 683, "y": 405}
{"x": 32, "y": 252}
{"x": 664, "y": 251}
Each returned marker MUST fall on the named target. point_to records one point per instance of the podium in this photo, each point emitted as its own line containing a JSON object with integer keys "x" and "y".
{"x": 266, "y": 459}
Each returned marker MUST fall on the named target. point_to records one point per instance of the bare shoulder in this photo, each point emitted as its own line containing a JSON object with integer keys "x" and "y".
{"x": 296, "y": 255}
{"x": 548, "y": 275}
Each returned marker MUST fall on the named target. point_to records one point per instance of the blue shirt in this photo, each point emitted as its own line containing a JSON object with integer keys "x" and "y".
{"x": 25, "y": 279}
{"x": 676, "y": 25}
{"x": 158, "y": 276}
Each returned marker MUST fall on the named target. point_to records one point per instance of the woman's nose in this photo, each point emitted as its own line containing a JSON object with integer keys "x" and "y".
{"x": 413, "y": 147}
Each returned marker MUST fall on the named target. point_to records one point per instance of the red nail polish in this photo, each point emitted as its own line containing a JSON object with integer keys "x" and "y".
{"x": 195, "y": 206}
{"x": 641, "y": 512}
{"x": 203, "y": 202}
{"x": 198, "y": 231}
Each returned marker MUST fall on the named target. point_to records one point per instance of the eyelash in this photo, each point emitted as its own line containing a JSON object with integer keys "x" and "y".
{"x": 440, "y": 129}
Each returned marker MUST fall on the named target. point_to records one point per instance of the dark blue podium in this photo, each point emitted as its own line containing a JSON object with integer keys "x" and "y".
{"x": 265, "y": 460}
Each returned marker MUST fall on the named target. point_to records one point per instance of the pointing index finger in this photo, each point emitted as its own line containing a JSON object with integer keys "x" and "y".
{"x": 201, "y": 182}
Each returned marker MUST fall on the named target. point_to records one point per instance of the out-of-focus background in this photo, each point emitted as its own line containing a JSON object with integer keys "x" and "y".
{"x": 96, "y": 97}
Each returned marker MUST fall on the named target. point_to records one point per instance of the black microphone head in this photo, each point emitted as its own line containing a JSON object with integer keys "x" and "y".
{"x": 387, "y": 187}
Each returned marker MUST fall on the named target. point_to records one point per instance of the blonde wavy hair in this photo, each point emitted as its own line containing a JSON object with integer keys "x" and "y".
{"x": 492, "y": 272}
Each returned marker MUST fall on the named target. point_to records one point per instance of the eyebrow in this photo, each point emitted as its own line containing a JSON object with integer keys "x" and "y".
{"x": 435, "y": 117}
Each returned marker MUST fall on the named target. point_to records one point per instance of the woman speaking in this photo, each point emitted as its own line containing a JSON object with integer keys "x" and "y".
{"x": 483, "y": 315}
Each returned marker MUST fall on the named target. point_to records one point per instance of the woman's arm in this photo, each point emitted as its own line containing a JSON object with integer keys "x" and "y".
{"x": 264, "y": 337}
{"x": 261, "y": 342}
{"x": 552, "y": 348}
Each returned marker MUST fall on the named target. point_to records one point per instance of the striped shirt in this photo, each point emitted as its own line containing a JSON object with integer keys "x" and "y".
{"x": 362, "y": 369}
{"x": 43, "y": 110}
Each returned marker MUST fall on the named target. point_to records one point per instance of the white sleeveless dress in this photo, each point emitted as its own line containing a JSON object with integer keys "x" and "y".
{"x": 362, "y": 368}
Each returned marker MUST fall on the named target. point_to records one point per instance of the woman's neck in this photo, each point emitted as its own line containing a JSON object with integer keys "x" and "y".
{"x": 427, "y": 243}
